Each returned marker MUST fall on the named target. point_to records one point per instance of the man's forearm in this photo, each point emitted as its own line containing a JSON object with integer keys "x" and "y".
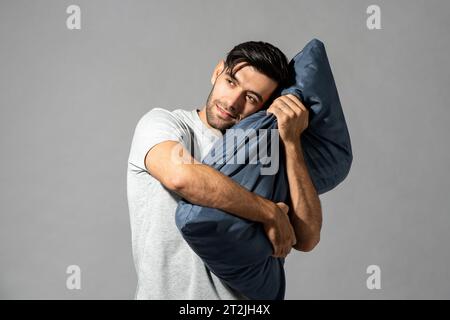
{"x": 205, "y": 186}
{"x": 306, "y": 212}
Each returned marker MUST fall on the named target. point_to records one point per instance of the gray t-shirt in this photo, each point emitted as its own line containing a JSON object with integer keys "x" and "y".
{"x": 167, "y": 268}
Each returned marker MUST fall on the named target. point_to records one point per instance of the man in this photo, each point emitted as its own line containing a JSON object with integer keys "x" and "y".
{"x": 156, "y": 179}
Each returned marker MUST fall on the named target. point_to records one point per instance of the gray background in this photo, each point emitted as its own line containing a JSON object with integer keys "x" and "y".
{"x": 70, "y": 100}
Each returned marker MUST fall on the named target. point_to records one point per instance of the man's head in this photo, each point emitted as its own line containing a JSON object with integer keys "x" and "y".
{"x": 244, "y": 83}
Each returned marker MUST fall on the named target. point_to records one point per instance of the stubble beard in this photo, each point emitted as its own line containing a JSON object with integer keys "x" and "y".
{"x": 212, "y": 117}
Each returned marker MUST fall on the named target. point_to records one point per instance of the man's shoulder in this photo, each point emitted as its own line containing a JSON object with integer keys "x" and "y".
{"x": 174, "y": 115}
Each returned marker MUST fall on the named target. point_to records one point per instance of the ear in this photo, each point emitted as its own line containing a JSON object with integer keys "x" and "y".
{"x": 217, "y": 71}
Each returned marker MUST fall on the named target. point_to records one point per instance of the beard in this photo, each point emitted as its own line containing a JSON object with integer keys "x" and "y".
{"x": 213, "y": 117}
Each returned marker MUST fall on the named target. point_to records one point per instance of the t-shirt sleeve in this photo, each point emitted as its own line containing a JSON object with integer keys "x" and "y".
{"x": 154, "y": 127}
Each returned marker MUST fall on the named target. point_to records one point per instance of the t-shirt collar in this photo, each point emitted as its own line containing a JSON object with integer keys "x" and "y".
{"x": 216, "y": 132}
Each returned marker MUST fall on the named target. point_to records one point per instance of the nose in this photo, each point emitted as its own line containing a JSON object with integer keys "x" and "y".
{"x": 234, "y": 101}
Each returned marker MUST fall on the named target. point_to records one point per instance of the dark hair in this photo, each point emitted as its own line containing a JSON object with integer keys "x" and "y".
{"x": 263, "y": 56}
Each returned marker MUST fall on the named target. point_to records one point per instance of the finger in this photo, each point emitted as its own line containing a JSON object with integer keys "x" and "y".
{"x": 284, "y": 207}
{"x": 273, "y": 109}
{"x": 282, "y": 253}
{"x": 294, "y": 237}
{"x": 286, "y": 108}
{"x": 279, "y": 114}
{"x": 277, "y": 252}
{"x": 274, "y": 254}
{"x": 295, "y": 104}
{"x": 294, "y": 99}
{"x": 283, "y": 102}
{"x": 270, "y": 109}
{"x": 283, "y": 114}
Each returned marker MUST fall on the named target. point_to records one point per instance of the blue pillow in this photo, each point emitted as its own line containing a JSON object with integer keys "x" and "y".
{"x": 326, "y": 141}
{"x": 235, "y": 249}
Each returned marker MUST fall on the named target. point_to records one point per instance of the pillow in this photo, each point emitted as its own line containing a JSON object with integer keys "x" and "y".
{"x": 235, "y": 249}
{"x": 326, "y": 141}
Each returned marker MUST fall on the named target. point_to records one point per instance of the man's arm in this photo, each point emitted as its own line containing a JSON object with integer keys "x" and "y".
{"x": 171, "y": 164}
{"x": 306, "y": 214}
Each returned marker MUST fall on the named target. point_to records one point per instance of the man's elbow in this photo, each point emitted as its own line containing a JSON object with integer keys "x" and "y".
{"x": 307, "y": 245}
{"x": 176, "y": 182}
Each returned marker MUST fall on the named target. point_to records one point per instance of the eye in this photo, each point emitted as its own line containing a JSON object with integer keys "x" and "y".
{"x": 252, "y": 100}
{"x": 230, "y": 82}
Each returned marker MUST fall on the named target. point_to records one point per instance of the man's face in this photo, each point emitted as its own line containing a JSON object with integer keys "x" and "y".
{"x": 232, "y": 99}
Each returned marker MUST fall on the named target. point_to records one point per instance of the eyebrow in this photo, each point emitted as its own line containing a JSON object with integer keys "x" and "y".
{"x": 251, "y": 91}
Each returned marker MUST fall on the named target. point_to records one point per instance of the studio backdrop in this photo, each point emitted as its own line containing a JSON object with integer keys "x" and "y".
{"x": 75, "y": 78}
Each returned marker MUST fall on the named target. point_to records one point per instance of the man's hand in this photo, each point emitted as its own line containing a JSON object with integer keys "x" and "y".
{"x": 292, "y": 117}
{"x": 280, "y": 232}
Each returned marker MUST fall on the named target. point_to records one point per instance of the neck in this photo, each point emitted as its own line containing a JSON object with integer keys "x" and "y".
{"x": 202, "y": 116}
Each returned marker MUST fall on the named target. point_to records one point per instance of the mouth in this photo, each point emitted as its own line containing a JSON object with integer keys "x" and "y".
{"x": 224, "y": 113}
